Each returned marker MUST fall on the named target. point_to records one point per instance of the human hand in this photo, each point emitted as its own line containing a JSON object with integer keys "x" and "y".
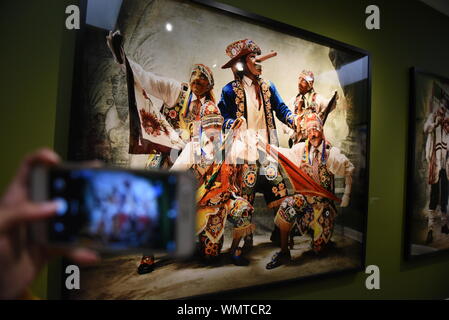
{"x": 344, "y": 201}
{"x": 239, "y": 122}
{"x": 238, "y": 128}
{"x": 114, "y": 40}
{"x": 21, "y": 260}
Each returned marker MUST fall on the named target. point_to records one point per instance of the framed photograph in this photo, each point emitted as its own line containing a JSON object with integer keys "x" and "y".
{"x": 293, "y": 205}
{"x": 427, "y": 229}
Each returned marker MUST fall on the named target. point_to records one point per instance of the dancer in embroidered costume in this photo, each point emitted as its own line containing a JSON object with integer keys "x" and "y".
{"x": 181, "y": 102}
{"x": 253, "y": 101}
{"x": 312, "y": 207}
{"x": 217, "y": 196}
{"x": 308, "y": 101}
{"x": 437, "y": 129}
{"x": 157, "y": 132}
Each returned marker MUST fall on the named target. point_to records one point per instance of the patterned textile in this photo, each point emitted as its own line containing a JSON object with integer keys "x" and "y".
{"x": 210, "y": 115}
{"x": 239, "y": 49}
{"x": 311, "y": 213}
{"x": 308, "y": 104}
{"x": 233, "y": 105}
{"x": 314, "y": 215}
{"x": 265, "y": 179}
{"x": 298, "y": 177}
{"x": 305, "y": 105}
{"x": 219, "y": 203}
{"x": 209, "y": 248}
{"x": 173, "y": 113}
{"x": 150, "y": 132}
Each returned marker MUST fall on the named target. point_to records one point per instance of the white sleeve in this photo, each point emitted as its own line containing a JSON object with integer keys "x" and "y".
{"x": 185, "y": 159}
{"x": 237, "y": 150}
{"x": 338, "y": 164}
{"x": 165, "y": 89}
{"x": 293, "y": 154}
{"x": 429, "y": 125}
{"x": 285, "y": 128}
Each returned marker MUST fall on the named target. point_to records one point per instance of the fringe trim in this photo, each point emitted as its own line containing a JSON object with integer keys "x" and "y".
{"x": 282, "y": 224}
{"x": 241, "y": 232}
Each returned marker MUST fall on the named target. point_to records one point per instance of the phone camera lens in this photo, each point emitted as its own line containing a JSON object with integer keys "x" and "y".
{"x": 62, "y": 206}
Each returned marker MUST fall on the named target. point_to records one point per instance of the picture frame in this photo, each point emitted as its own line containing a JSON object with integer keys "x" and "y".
{"x": 100, "y": 102}
{"x": 425, "y": 234}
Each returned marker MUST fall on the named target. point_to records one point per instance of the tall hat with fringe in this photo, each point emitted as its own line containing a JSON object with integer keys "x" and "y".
{"x": 204, "y": 70}
{"x": 313, "y": 121}
{"x": 239, "y": 49}
{"x": 308, "y": 76}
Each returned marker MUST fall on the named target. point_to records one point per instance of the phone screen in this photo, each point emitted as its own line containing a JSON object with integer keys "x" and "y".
{"x": 114, "y": 209}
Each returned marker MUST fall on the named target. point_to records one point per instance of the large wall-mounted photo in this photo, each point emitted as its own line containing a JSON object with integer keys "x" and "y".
{"x": 427, "y": 223}
{"x": 180, "y": 80}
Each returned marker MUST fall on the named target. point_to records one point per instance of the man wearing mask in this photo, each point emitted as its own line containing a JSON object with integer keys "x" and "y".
{"x": 308, "y": 101}
{"x": 314, "y": 214}
{"x": 181, "y": 108}
{"x": 253, "y": 101}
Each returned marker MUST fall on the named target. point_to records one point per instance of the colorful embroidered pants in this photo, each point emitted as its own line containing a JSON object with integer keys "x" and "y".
{"x": 235, "y": 209}
{"x": 265, "y": 179}
{"x": 313, "y": 215}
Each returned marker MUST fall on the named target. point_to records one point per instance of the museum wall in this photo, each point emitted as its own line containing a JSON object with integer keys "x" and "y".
{"x": 37, "y": 60}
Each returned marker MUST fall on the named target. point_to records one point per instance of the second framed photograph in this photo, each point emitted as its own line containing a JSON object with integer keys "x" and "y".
{"x": 428, "y": 167}
{"x": 177, "y": 82}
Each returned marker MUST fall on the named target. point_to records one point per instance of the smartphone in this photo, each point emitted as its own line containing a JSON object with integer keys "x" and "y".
{"x": 110, "y": 209}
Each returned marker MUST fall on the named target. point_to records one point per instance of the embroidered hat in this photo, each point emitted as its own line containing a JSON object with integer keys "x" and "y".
{"x": 313, "y": 121}
{"x": 308, "y": 76}
{"x": 204, "y": 70}
{"x": 239, "y": 49}
{"x": 210, "y": 115}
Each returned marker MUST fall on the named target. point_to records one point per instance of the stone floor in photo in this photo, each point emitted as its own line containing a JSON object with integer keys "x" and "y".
{"x": 117, "y": 277}
{"x": 419, "y": 236}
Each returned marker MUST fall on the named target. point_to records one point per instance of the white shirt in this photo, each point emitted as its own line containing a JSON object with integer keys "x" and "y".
{"x": 256, "y": 126}
{"x": 165, "y": 89}
{"x": 336, "y": 163}
{"x": 255, "y": 112}
{"x": 192, "y": 152}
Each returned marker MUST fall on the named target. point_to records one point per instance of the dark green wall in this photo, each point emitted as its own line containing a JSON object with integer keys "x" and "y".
{"x": 36, "y": 65}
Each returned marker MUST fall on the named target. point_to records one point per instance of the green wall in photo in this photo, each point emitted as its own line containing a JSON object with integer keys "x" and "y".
{"x": 37, "y": 63}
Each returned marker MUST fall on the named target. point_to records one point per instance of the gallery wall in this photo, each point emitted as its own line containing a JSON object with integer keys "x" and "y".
{"x": 37, "y": 61}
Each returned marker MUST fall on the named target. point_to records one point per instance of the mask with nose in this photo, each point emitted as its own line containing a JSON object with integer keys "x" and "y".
{"x": 201, "y": 79}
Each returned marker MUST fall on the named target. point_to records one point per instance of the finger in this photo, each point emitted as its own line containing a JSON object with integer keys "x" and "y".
{"x": 92, "y": 164}
{"x": 27, "y": 212}
{"x": 81, "y": 256}
{"x": 43, "y": 156}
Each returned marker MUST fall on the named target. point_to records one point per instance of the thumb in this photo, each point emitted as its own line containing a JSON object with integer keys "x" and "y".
{"x": 26, "y": 212}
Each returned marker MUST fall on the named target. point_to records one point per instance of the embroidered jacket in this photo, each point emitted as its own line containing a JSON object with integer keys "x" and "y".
{"x": 176, "y": 97}
{"x": 233, "y": 105}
